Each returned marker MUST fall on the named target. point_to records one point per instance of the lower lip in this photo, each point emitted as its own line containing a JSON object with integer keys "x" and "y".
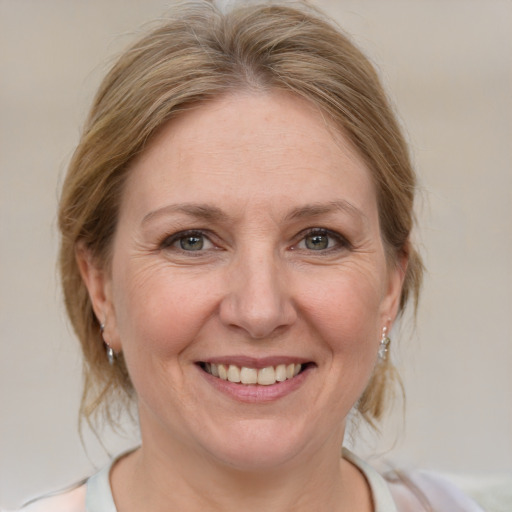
{"x": 254, "y": 393}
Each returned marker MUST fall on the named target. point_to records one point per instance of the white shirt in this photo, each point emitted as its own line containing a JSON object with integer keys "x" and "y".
{"x": 394, "y": 495}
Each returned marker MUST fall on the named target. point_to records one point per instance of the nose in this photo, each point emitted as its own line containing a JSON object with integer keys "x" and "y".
{"x": 258, "y": 297}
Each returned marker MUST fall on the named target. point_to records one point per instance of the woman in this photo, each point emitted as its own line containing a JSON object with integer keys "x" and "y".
{"x": 235, "y": 250}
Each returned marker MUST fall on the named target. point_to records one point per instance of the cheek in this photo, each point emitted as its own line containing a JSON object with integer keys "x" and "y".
{"x": 158, "y": 312}
{"x": 345, "y": 309}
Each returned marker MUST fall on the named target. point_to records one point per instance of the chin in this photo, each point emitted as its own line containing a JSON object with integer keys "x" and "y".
{"x": 256, "y": 445}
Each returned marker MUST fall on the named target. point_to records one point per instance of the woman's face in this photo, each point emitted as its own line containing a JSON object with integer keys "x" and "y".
{"x": 248, "y": 244}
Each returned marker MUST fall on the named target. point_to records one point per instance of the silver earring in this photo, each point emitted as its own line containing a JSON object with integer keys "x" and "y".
{"x": 384, "y": 344}
{"x": 108, "y": 348}
{"x": 110, "y": 354}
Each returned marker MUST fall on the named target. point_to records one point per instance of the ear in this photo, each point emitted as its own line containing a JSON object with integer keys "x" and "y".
{"x": 99, "y": 287}
{"x": 396, "y": 275}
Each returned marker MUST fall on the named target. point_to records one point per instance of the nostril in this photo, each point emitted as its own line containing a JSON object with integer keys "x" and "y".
{"x": 261, "y": 325}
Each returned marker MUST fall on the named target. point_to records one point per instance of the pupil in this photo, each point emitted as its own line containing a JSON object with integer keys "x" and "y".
{"x": 191, "y": 243}
{"x": 317, "y": 242}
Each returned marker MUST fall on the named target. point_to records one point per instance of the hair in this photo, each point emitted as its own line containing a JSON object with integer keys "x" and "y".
{"x": 198, "y": 54}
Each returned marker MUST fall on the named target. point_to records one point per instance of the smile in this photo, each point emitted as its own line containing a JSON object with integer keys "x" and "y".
{"x": 244, "y": 375}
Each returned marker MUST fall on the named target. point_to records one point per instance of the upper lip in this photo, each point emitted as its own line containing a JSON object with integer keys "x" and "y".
{"x": 255, "y": 362}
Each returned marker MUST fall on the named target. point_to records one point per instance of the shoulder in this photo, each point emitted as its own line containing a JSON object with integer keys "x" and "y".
{"x": 72, "y": 500}
{"x": 94, "y": 493}
{"x": 425, "y": 490}
{"x": 493, "y": 491}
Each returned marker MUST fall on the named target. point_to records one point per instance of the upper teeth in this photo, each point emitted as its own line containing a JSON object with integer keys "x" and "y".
{"x": 264, "y": 376}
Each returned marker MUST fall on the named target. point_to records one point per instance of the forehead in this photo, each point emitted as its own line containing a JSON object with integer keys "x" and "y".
{"x": 262, "y": 146}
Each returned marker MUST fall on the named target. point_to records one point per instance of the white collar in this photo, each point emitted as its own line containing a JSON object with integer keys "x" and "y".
{"x": 99, "y": 493}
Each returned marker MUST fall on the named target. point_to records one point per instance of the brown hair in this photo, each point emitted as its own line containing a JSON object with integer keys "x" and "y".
{"x": 197, "y": 54}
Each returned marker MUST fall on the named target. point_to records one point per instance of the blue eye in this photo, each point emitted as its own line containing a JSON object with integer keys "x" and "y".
{"x": 321, "y": 240}
{"x": 188, "y": 241}
{"x": 191, "y": 243}
{"x": 316, "y": 242}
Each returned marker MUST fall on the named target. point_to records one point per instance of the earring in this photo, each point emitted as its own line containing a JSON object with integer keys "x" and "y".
{"x": 110, "y": 354}
{"x": 109, "y": 350}
{"x": 384, "y": 344}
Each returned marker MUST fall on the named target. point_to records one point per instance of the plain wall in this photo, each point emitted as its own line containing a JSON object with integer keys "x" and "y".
{"x": 447, "y": 66}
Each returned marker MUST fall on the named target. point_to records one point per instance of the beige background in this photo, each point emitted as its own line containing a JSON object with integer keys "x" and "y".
{"x": 448, "y": 67}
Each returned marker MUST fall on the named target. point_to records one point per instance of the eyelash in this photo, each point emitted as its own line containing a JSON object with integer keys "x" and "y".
{"x": 340, "y": 242}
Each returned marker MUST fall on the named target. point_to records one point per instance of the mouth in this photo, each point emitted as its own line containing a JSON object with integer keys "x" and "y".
{"x": 248, "y": 376}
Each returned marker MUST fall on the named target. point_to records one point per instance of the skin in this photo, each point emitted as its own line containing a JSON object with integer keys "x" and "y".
{"x": 265, "y": 169}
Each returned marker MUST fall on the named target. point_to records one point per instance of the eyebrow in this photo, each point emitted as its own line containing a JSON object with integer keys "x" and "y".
{"x": 319, "y": 209}
{"x": 213, "y": 213}
{"x": 199, "y": 211}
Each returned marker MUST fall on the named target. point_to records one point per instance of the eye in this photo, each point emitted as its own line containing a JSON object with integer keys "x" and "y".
{"x": 188, "y": 241}
{"x": 192, "y": 242}
{"x": 321, "y": 240}
{"x": 317, "y": 241}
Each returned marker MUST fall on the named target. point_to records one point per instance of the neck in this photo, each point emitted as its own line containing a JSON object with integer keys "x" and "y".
{"x": 149, "y": 479}
{"x": 172, "y": 471}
